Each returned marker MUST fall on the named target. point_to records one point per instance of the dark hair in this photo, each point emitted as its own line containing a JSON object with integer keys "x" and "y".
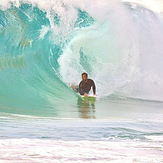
{"x": 84, "y": 73}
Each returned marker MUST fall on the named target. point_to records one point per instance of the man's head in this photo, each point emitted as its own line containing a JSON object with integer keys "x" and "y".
{"x": 84, "y": 76}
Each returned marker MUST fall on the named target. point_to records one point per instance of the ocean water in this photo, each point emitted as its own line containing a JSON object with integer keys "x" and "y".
{"x": 45, "y": 46}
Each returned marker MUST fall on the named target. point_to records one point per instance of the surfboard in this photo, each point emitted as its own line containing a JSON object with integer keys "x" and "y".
{"x": 91, "y": 98}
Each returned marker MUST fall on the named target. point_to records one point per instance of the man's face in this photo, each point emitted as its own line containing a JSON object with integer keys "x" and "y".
{"x": 84, "y": 77}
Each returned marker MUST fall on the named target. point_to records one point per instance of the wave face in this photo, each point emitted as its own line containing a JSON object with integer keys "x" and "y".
{"x": 46, "y": 46}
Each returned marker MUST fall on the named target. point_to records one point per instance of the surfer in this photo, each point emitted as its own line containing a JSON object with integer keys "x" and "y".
{"x": 85, "y": 85}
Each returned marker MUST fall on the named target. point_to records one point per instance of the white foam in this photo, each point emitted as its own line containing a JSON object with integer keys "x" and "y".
{"x": 155, "y": 138}
{"x": 36, "y": 150}
{"x": 155, "y": 5}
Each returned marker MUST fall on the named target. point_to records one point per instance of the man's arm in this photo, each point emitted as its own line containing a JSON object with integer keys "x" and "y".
{"x": 80, "y": 88}
{"x": 94, "y": 87}
{"x": 80, "y": 84}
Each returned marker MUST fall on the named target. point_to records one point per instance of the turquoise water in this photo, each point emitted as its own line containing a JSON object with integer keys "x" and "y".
{"x": 45, "y": 47}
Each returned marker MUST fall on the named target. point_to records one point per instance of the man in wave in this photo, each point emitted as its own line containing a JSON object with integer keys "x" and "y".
{"x": 85, "y": 85}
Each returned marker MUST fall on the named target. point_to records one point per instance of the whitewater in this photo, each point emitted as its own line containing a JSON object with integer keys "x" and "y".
{"x": 45, "y": 46}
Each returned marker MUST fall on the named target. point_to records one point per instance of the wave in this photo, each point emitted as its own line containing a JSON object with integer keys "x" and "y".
{"x": 46, "y": 46}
